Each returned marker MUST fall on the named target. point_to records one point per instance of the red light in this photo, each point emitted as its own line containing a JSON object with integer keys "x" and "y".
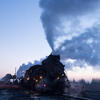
{"x": 44, "y": 85}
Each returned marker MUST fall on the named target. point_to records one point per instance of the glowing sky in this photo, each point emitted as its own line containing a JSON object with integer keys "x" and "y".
{"x": 22, "y": 38}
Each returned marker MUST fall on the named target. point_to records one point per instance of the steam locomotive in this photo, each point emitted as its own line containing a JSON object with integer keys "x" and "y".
{"x": 47, "y": 77}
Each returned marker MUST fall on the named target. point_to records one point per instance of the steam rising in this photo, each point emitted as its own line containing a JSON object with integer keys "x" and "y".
{"x": 72, "y": 28}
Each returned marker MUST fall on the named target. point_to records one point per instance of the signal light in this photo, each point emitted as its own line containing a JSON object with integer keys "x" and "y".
{"x": 44, "y": 85}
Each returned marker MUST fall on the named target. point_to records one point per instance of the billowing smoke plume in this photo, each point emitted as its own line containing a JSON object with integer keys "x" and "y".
{"x": 22, "y": 69}
{"x": 72, "y": 28}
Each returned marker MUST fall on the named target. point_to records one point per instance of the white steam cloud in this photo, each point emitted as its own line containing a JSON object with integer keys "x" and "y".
{"x": 72, "y": 28}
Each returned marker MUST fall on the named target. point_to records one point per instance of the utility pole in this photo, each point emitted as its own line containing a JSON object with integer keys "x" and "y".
{"x": 15, "y": 71}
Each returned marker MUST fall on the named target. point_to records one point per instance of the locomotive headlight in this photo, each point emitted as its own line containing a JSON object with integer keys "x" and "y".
{"x": 36, "y": 81}
{"x": 58, "y": 78}
{"x": 62, "y": 74}
{"x": 28, "y": 78}
{"x": 41, "y": 77}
